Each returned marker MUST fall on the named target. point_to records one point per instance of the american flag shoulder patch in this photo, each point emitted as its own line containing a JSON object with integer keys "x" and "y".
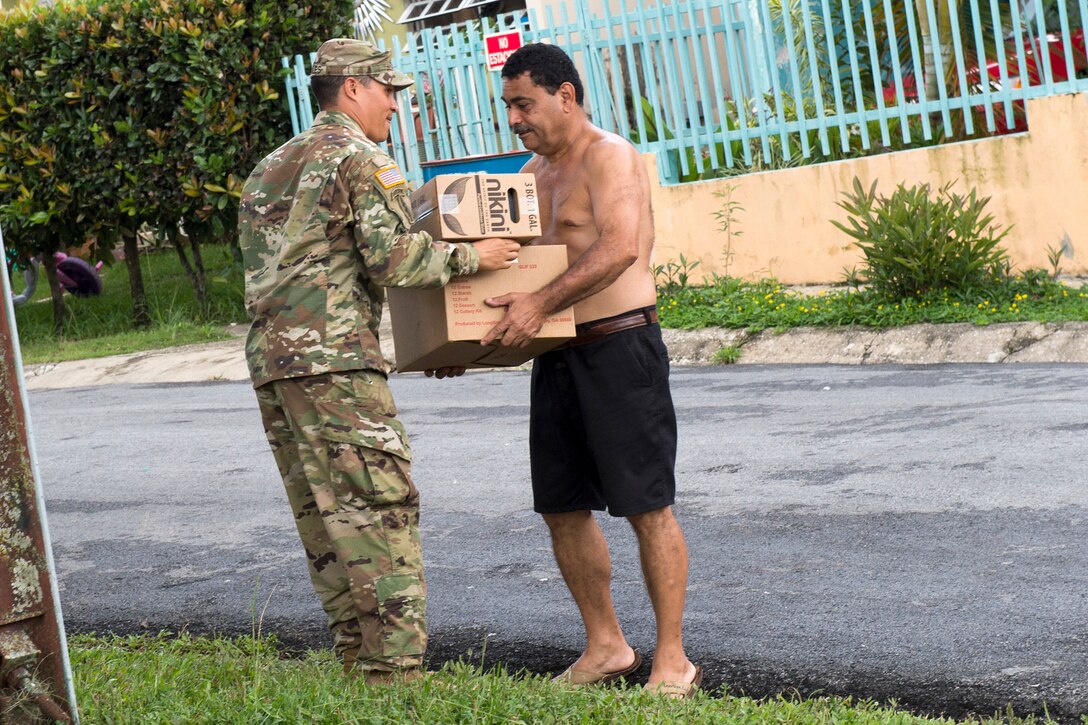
{"x": 389, "y": 176}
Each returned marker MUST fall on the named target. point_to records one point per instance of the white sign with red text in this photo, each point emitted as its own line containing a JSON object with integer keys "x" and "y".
{"x": 500, "y": 46}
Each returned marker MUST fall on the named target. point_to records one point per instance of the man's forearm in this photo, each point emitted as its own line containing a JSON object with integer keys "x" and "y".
{"x": 592, "y": 272}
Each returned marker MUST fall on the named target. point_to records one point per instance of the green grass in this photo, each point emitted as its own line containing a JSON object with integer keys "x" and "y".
{"x": 102, "y": 325}
{"x": 162, "y": 679}
{"x": 761, "y": 305}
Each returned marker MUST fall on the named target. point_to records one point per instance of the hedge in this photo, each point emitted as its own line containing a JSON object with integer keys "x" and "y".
{"x": 118, "y": 117}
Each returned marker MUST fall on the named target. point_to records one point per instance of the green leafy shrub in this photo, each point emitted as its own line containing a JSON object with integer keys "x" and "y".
{"x": 916, "y": 242}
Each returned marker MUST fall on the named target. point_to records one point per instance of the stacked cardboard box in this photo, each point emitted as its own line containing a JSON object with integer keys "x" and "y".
{"x": 443, "y": 327}
{"x": 457, "y": 207}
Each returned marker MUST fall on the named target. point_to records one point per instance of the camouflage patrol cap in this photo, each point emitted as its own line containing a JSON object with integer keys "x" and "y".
{"x": 350, "y": 57}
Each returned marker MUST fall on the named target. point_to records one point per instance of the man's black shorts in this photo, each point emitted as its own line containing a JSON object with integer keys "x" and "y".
{"x": 602, "y": 429}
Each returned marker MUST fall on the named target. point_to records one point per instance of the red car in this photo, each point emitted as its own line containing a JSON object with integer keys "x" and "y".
{"x": 1034, "y": 76}
{"x": 1060, "y": 72}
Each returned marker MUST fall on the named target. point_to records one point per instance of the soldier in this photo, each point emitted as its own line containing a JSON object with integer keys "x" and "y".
{"x": 323, "y": 225}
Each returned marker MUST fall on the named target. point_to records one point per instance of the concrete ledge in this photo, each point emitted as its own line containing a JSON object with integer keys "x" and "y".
{"x": 1019, "y": 342}
{"x": 912, "y": 344}
{"x": 186, "y": 364}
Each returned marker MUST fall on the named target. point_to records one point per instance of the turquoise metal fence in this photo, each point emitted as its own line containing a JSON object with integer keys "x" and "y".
{"x": 718, "y": 87}
{"x": 453, "y": 111}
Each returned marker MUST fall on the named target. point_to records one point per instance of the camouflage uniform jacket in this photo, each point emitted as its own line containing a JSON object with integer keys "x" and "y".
{"x": 323, "y": 225}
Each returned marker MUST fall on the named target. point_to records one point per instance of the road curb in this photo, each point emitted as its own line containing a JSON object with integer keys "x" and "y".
{"x": 925, "y": 344}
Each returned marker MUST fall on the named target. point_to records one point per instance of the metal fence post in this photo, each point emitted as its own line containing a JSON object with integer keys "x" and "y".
{"x": 35, "y": 677}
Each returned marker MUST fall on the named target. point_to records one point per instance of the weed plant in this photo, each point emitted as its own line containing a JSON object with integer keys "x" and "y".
{"x": 728, "y": 355}
{"x": 155, "y": 680}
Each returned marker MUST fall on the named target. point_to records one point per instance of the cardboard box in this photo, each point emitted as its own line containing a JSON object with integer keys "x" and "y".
{"x": 476, "y": 206}
{"x": 435, "y": 328}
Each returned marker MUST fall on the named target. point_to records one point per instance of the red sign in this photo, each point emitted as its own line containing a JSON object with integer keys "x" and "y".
{"x": 499, "y": 47}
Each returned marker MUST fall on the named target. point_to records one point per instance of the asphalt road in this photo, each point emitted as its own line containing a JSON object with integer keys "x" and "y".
{"x": 915, "y": 534}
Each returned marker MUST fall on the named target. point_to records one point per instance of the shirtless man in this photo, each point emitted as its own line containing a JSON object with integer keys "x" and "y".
{"x": 602, "y": 426}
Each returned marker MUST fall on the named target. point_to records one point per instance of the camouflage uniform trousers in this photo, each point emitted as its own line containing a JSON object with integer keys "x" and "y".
{"x": 356, "y": 510}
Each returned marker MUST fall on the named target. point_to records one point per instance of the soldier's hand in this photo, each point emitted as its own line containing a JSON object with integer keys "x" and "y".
{"x": 449, "y": 372}
{"x": 496, "y": 253}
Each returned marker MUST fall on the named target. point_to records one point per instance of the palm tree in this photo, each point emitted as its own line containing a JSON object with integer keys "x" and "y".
{"x": 944, "y": 37}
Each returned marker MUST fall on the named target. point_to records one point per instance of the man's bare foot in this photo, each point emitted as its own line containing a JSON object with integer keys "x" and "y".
{"x": 663, "y": 671}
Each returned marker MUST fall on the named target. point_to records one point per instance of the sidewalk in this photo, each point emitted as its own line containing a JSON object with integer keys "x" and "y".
{"x": 1065, "y": 342}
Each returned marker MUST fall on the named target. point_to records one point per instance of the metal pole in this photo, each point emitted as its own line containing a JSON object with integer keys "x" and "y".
{"x": 35, "y": 674}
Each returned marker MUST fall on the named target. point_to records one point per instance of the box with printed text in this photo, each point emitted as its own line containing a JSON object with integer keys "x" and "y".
{"x": 434, "y": 328}
{"x": 476, "y": 206}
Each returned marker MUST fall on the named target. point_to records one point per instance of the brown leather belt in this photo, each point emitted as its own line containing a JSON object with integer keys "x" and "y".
{"x": 588, "y": 332}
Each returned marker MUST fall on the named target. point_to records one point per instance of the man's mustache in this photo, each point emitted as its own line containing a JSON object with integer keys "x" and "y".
{"x": 517, "y": 128}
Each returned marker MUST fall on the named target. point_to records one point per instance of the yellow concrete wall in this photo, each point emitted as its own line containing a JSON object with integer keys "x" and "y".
{"x": 1038, "y": 182}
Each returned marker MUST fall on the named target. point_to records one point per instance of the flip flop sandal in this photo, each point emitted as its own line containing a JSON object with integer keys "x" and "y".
{"x": 584, "y": 678}
{"x": 680, "y": 690}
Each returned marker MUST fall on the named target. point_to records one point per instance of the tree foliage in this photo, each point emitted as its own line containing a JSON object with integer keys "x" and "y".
{"x": 142, "y": 114}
